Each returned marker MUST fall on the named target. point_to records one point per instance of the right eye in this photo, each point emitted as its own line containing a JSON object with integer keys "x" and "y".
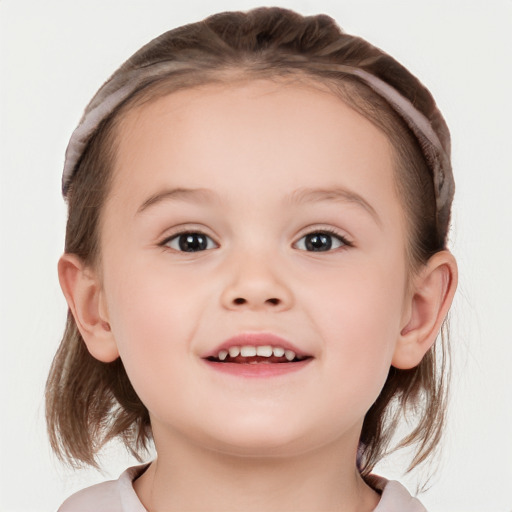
{"x": 190, "y": 241}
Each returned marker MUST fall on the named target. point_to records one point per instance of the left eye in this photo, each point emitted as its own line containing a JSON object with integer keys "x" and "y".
{"x": 320, "y": 241}
{"x": 190, "y": 242}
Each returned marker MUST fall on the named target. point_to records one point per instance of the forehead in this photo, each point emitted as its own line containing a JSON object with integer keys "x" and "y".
{"x": 260, "y": 137}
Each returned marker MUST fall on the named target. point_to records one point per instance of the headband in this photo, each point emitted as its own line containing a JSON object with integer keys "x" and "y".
{"x": 124, "y": 84}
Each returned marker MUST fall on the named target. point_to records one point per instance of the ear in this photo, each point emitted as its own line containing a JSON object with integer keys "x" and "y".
{"x": 82, "y": 288}
{"x": 430, "y": 299}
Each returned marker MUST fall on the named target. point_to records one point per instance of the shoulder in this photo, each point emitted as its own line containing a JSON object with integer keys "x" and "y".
{"x": 112, "y": 496}
{"x": 100, "y": 497}
{"x": 395, "y": 497}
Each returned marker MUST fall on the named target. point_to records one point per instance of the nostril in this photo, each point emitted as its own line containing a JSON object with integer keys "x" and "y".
{"x": 241, "y": 300}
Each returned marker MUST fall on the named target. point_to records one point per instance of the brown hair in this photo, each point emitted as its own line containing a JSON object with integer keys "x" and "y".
{"x": 89, "y": 402}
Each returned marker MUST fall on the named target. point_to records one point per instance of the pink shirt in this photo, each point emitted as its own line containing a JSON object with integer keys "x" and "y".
{"x": 119, "y": 496}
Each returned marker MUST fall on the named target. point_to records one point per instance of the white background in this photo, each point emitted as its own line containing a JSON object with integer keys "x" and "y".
{"x": 55, "y": 54}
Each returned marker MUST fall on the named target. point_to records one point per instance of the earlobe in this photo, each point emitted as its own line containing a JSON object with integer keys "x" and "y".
{"x": 430, "y": 300}
{"x": 82, "y": 289}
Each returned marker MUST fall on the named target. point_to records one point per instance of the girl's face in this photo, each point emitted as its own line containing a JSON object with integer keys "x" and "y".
{"x": 254, "y": 210}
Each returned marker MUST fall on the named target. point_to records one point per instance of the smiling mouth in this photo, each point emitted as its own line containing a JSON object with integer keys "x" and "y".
{"x": 257, "y": 355}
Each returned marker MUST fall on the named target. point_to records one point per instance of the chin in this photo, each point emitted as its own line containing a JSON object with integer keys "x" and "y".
{"x": 263, "y": 439}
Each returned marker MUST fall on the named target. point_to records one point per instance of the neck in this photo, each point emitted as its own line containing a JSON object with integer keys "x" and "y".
{"x": 186, "y": 477}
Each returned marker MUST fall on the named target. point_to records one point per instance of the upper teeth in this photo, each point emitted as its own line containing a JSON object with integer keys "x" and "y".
{"x": 251, "y": 351}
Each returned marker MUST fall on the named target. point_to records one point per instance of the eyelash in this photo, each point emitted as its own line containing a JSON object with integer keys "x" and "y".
{"x": 332, "y": 233}
{"x": 176, "y": 236}
{"x": 322, "y": 231}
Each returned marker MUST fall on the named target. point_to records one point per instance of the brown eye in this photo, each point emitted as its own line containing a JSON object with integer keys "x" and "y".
{"x": 320, "y": 241}
{"x": 190, "y": 242}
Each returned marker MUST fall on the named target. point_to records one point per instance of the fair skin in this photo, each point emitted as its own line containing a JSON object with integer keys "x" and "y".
{"x": 275, "y": 164}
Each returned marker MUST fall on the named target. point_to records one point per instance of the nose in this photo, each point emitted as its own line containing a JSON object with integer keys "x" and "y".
{"x": 255, "y": 283}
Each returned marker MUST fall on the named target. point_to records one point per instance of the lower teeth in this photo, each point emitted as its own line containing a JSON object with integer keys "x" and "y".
{"x": 256, "y": 360}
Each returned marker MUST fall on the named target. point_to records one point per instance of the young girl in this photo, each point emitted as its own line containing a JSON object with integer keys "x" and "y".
{"x": 256, "y": 271}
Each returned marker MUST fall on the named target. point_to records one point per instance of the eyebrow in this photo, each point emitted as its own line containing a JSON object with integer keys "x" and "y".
{"x": 180, "y": 194}
{"x": 298, "y": 197}
{"x": 337, "y": 194}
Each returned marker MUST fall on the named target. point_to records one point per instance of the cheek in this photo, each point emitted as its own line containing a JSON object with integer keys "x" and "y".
{"x": 152, "y": 322}
{"x": 359, "y": 320}
{"x": 148, "y": 304}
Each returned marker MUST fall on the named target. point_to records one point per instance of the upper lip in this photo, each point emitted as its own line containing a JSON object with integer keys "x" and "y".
{"x": 256, "y": 339}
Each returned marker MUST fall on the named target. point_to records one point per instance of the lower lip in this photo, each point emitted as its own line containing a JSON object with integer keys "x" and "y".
{"x": 261, "y": 370}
